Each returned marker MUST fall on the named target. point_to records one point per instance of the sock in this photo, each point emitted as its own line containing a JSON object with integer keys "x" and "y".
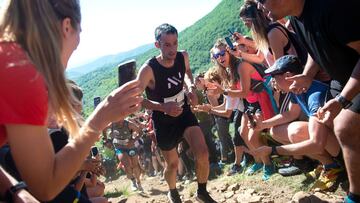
{"x": 330, "y": 166}
{"x": 353, "y": 197}
{"x": 173, "y": 192}
{"x": 202, "y": 187}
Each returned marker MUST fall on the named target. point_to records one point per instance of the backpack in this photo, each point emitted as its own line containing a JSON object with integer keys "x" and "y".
{"x": 300, "y": 49}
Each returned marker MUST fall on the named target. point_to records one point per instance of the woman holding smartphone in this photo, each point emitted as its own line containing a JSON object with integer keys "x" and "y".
{"x": 37, "y": 39}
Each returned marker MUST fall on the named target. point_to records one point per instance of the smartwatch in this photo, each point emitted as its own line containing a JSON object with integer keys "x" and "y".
{"x": 9, "y": 195}
{"x": 343, "y": 101}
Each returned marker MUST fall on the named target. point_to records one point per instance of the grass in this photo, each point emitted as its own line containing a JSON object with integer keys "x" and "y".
{"x": 122, "y": 191}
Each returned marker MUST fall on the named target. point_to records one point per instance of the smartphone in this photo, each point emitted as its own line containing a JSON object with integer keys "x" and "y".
{"x": 97, "y": 101}
{"x": 251, "y": 118}
{"x": 126, "y": 72}
{"x": 94, "y": 151}
{"x": 229, "y": 43}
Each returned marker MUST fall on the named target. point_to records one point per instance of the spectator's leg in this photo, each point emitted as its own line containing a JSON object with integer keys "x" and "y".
{"x": 347, "y": 130}
{"x": 171, "y": 166}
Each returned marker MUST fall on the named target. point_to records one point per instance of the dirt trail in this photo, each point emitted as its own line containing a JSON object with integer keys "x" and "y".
{"x": 239, "y": 188}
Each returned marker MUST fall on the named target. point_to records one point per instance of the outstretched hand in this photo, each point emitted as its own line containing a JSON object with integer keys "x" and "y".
{"x": 300, "y": 83}
{"x": 329, "y": 111}
{"x": 214, "y": 89}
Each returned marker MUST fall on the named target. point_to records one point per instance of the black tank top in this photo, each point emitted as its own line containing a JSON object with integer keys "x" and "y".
{"x": 168, "y": 81}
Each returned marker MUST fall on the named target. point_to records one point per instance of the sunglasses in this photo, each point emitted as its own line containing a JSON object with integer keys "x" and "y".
{"x": 220, "y": 53}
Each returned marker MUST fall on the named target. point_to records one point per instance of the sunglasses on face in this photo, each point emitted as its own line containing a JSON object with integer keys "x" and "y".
{"x": 220, "y": 53}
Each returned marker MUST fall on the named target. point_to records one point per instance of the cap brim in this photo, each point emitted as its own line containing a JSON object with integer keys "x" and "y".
{"x": 272, "y": 70}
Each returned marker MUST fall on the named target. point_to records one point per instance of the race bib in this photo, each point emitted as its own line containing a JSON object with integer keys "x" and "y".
{"x": 179, "y": 98}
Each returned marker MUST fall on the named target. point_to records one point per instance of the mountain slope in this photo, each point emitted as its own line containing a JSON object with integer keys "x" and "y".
{"x": 196, "y": 39}
{"x": 109, "y": 61}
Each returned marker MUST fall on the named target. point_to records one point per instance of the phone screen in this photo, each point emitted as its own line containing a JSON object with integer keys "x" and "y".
{"x": 94, "y": 151}
{"x": 97, "y": 101}
{"x": 126, "y": 72}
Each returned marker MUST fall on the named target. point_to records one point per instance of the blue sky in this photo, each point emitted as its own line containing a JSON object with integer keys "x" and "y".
{"x": 112, "y": 26}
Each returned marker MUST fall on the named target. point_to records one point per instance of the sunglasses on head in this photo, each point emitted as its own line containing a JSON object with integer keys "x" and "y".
{"x": 218, "y": 54}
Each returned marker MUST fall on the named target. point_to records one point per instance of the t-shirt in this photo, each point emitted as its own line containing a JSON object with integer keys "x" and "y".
{"x": 325, "y": 27}
{"x": 24, "y": 96}
{"x": 313, "y": 99}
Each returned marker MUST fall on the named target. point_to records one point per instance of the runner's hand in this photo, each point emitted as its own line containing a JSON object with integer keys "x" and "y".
{"x": 172, "y": 109}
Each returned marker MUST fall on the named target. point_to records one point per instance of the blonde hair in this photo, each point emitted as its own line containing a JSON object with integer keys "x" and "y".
{"x": 229, "y": 75}
{"x": 260, "y": 23}
{"x": 36, "y": 26}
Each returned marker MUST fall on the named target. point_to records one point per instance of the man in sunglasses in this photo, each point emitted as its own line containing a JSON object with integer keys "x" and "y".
{"x": 163, "y": 79}
{"x": 330, "y": 32}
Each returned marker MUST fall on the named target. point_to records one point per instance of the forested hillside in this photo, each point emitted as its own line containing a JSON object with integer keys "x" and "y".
{"x": 196, "y": 39}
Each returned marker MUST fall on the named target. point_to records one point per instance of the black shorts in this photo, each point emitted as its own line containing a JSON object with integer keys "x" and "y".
{"x": 336, "y": 88}
{"x": 169, "y": 131}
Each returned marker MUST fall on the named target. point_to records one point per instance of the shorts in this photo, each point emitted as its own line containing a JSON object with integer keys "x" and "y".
{"x": 336, "y": 88}
{"x": 169, "y": 131}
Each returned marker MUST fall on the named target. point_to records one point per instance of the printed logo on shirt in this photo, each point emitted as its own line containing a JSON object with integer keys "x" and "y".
{"x": 174, "y": 81}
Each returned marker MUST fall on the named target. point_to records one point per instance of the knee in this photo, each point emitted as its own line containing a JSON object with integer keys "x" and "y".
{"x": 202, "y": 154}
{"x": 343, "y": 133}
{"x": 172, "y": 166}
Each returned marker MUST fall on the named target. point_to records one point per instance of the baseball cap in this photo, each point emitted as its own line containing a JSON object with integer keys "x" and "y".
{"x": 287, "y": 63}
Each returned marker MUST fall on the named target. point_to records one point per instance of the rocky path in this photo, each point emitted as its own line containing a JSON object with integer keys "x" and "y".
{"x": 239, "y": 188}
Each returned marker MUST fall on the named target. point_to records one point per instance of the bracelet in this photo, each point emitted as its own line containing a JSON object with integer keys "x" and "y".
{"x": 9, "y": 195}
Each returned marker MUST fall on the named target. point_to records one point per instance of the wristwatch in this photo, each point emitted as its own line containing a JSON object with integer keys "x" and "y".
{"x": 343, "y": 101}
{"x": 9, "y": 195}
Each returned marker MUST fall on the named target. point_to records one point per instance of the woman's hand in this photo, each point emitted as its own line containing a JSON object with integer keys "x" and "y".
{"x": 120, "y": 103}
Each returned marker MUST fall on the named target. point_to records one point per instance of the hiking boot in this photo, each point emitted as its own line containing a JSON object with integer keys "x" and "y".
{"x": 315, "y": 173}
{"x": 328, "y": 180}
{"x": 289, "y": 171}
{"x": 174, "y": 197}
{"x": 268, "y": 171}
{"x": 234, "y": 169}
{"x": 204, "y": 197}
{"x": 254, "y": 168}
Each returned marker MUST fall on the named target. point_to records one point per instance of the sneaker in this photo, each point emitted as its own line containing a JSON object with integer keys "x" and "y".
{"x": 139, "y": 187}
{"x": 204, "y": 197}
{"x": 234, "y": 169}
{"x": 268, "y": 171}
{"x": 174, "y": 198}
{"x": 328, "y": 180}
{"x": 244, "y": 162}
{"x": 133, "y": 185}
{"x": 254, "y": 168}
{"x": 348, "y": 200}
{"x": 290, "y": 171}
{"x": 315, "y": 173}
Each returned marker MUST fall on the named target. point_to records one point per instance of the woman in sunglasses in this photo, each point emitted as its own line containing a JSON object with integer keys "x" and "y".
{"x": 243, "y": 81}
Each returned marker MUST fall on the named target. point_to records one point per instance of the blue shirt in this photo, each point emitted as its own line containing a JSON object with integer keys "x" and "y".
{"x": 313, "y": 99}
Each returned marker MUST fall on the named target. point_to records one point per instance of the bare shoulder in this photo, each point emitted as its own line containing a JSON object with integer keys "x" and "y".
{"x": 184, "y": 53}
{"x": 145, "y": 75}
